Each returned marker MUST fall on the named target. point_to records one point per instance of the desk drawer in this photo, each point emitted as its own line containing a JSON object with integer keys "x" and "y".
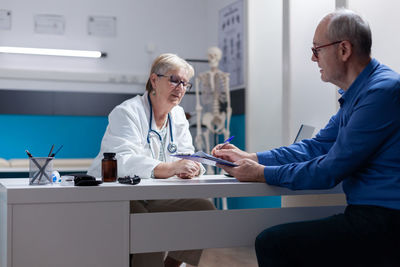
{"x": 168, "y": 231}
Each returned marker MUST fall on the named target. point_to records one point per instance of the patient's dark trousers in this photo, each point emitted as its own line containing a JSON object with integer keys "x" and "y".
{"x": 361, "y": 236}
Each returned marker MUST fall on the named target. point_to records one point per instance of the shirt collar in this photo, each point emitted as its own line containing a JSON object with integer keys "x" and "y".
{"x": 358, "y": 82}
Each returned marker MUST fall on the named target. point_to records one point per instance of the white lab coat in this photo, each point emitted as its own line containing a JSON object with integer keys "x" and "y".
{"x": 126, "y": 135}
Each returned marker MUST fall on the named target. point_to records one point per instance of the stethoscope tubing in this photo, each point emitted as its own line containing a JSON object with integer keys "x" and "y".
{"x": 171, "y": 146}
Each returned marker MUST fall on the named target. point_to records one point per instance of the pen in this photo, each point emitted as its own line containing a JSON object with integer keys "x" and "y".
{"x": 29, "y": 154}
{"x": 43, "y": 168}
{"x": 51, "y": 150}
{"x": 227, "y": 141}
{"x": 54, "y": 154}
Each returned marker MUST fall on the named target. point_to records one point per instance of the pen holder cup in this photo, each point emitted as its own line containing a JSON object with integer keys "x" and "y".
{"x": 40, "y": 170}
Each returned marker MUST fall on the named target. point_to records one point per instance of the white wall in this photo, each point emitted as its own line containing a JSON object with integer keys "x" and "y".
{"x": 264, "y": 74}
{"x": 284, "y": 86}
{"x": 185, "y": 27}
{"x": 311, "y": 101}
{"x": 284, "y": 89}
{"x": 383, "y": 17}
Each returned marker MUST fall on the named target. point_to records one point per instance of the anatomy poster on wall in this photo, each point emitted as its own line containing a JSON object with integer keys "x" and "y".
{"x": 230, "y": 40}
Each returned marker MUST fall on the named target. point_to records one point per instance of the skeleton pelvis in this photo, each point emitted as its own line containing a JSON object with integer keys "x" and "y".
{"x": 214, "y": 122}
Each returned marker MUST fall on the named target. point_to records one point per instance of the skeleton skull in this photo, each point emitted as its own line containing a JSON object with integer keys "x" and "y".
{"x": 214, "y": 56}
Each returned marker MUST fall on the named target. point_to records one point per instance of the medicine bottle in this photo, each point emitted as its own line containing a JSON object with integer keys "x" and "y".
{"x": 109, "y": 167}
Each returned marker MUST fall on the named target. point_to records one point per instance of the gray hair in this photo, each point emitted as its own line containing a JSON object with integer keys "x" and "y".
{"x": 344, "y": 25}
{"x": 168, "y": 62}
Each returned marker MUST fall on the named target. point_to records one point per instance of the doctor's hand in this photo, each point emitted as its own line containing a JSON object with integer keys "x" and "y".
{"x": 186, "y": 169}
{"x": 232, "y": 153}
{"x": 247, "y": 171}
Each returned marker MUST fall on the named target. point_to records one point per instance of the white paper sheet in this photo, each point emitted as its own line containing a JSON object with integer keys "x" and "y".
{"x": 205, "y": 158}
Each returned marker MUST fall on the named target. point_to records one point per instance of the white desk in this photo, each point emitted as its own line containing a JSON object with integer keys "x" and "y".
{"x": 54, "y": 225}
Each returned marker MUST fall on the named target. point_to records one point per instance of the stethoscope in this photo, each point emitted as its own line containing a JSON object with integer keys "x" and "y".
{"x": 172, "y": 148}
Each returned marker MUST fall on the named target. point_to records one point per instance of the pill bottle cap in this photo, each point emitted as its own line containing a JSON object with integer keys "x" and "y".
{"x": 108, "y": 155}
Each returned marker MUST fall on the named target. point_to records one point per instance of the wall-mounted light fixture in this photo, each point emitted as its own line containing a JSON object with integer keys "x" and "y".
{"x": 52, "y": 52}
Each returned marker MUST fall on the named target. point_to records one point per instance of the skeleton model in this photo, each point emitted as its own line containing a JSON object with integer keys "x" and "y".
{"x": 214, "y": 87}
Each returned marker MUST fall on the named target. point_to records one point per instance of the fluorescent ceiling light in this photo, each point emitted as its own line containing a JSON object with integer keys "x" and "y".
{"x": 52, "y": 52}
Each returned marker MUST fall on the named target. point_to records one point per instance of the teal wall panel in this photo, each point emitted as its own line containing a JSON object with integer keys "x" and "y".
{"x": 254, "y": 202}
{"x": 79, "y": 135}
{"x": 238, "y": 129}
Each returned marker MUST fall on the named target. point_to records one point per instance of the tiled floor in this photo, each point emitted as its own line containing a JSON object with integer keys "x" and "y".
{"x": 229, "y": 257}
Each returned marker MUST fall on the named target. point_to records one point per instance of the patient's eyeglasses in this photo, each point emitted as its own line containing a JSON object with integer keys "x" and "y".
{"x": 316, "y": 49}
{"x": 176, "y": 81}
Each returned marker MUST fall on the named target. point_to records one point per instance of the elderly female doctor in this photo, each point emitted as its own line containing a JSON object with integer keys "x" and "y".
{"x": 143, "y": 132}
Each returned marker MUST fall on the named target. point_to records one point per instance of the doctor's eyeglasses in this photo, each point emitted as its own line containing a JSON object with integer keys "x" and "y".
{"x": 175, "y": 81}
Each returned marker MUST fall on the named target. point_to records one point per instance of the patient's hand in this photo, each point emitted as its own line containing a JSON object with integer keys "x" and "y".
{"x": 247, "y": 171}
{"x": 232, "y": 153}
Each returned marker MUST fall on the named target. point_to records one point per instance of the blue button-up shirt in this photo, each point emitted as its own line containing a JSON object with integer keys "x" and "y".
{"x": 360, "y": 145}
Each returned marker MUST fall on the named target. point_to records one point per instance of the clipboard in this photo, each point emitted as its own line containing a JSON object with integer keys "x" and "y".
{"x": 205, "y": 158}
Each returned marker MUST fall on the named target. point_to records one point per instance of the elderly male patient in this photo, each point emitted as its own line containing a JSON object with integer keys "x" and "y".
{"x": 360, "y": 147}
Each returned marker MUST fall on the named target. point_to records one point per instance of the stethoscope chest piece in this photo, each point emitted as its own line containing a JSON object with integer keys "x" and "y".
{"x": 172, "y": 148}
